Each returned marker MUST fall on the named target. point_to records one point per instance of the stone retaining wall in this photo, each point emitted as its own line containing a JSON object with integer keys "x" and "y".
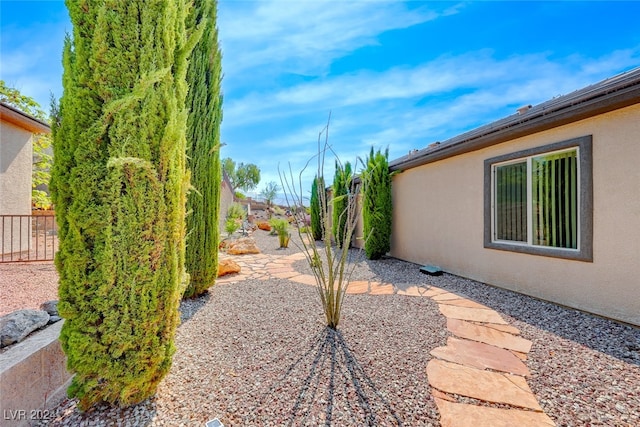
{"x": 33, "y": 378}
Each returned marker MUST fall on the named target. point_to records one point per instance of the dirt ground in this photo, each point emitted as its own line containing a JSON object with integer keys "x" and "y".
{"x": 27, "y": 285}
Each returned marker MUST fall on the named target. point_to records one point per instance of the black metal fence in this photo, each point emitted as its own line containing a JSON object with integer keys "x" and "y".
{"x": 28, "y": 238}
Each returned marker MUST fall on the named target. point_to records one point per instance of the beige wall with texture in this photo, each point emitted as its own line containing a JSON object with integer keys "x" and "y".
{"x": 439, "y": 216}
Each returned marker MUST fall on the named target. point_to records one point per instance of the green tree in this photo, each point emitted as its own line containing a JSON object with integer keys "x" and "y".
{"x": 42, "y": 159}
{"x": 314, "y": 206}
{"x": 269, "y": 193}
{"x": 204, "y": 101}
{"x": 340, "y": 200}
{"x": 377, "y": 207}
{"x": 245, "y": 177}
{"x": 119, "y": 184}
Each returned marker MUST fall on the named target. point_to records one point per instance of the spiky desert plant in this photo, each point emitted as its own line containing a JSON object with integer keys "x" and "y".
{"x": 377, "y": 206}
{"x": 316, "y": 219}
{"x": 340, "y": 199}
{"x": 119, "y": 186}
{"x": 204, "y": 101}
{"x": 330, "y": 265}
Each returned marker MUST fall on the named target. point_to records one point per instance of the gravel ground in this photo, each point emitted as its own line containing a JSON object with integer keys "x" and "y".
{"x": 256, "y": 353}
{"x": 27, "y": 285}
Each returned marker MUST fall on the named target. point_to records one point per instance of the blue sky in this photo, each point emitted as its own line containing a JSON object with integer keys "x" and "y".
{"x": 393, "y": 74}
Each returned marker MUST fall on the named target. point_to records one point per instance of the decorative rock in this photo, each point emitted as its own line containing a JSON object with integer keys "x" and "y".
{"x": 474, "y": 314}
{"x": 50, "y": 307}
{"x": 262, "y": 225}
{"x": 227, "y": 266}
{"x": 464, "y": 415}
{"x": 481, "y": 356}
{"x": 484, "y": 385}
{"x": 488, "y": 335}
{"x": 14, "y": 327}
{"x": 54, "y": 319}
{"x": 244, "y": 245}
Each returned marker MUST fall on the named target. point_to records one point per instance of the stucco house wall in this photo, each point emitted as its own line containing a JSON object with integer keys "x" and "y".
{"x": 16, "y": 158}
{"x": 226, "y": 199}
{"x": 439, "y": 219}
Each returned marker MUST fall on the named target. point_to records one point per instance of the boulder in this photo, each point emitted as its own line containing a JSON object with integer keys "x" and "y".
{"x": 263, "y": 225}
{"x": 54, "y": 319}
{"x": 50, "y": 307}
{"x": 227, "y": 266}
{"x": 14, "y": 327}
{"x": 243, "y": 245}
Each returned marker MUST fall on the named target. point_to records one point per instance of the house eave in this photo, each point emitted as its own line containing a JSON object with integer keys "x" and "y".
{"x": 612, "y": 94}
{"x": 25, "y": 121}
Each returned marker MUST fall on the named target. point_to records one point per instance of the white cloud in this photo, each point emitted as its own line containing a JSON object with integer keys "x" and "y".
{"x": 305, "y": 36}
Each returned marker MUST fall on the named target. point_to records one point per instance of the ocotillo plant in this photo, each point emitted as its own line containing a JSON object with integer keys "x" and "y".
{"x": 330, "y": 264}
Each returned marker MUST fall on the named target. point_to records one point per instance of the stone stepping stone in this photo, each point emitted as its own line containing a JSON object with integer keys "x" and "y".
{"x": 381, "y": 289}
{"x": 463, "y": 302}
{"x": 488, "y": 335}
{"x": 484, "y": 385}
{"x": 473, "y": 314}
{"x": 414, "y": 291}
{"x": 305, "y": 279}
{"x": 504, "y": 328}
{"x": 481, "y": 356}
{"x": 433, "y": 291}
{"x": 464, "y": 415}
{"x": 446, "y": 296}
{"x": 358, "y": 287}
{"x": 285, "y": 274}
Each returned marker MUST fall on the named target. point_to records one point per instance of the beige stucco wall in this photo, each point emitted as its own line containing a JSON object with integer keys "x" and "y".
{"x": 438, "y": 219}
{"x": 15, "y": 185}
{"x": 16, "y": 155}
{"x": 226, "y": 199}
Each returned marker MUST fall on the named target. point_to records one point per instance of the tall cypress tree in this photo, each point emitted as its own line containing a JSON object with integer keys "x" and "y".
{"x": 203, "y": 156}
{"x": 315, "y": 207}
{"x": 119, "y": 185}
{"x": 377, "y": 206}
{"x": 341, "y": 188}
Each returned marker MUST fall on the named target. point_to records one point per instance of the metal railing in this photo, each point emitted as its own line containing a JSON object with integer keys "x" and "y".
{"x": 28, "y": 238}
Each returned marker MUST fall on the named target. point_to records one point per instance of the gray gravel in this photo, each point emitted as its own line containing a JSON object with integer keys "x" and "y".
{"x": 256, "y": 353}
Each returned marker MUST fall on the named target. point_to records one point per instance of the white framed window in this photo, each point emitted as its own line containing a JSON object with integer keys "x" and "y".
{"x": 539, "y": 200}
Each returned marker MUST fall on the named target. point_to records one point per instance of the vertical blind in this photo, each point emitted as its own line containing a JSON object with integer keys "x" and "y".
{"x": 554, "y": 200}
{"x": 511, "y": 202}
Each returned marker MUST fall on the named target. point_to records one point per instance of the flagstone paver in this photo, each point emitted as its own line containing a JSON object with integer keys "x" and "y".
{"x": 484, "y": 385}
{"x": 488, "y": 335}
{"x": 483, "y": 360}
{"x": 465, "y": 415}
{"x": 503, "y": 328}
{"x": 358, "y": 287}
{"x": 481, "y": 356}
{"x": 466, "y": 313}
{"x": 447, "y": 296}
{"x": 381, "y": 289}
{"x": 463, "y": 302}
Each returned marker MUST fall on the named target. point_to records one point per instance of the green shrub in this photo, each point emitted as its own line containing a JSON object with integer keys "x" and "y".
{"x": 231, "y": 225}
{"x": 377, "y": 207}
{"x": 341, "y": 199}
{"x": 204, "y": 101}
{"x": 314, "y": 208}
{"x": 119, "y": 187}
{"x": 280, "y": 225}
{"x": 236, "y": 211}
